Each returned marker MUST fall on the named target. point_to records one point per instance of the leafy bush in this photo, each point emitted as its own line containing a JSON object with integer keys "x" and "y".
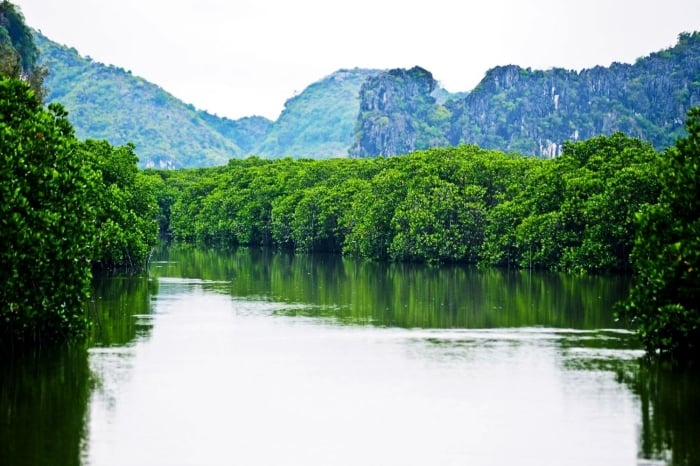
{"x": 47, "y": 221}
{"x": 664, "y": 303}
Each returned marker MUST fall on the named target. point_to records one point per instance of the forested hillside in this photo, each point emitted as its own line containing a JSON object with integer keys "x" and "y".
{"x": 532, "y": 111}
{"x": 318, "y": 123}
{"x": 105, "y": 102}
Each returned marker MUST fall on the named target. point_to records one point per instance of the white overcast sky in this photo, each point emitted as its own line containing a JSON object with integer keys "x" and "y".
{"x": 247, "y": 57}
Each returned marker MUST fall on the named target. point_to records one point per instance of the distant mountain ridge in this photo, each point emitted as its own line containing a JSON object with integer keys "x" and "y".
{"x": 534, "y": 112}
{"x": 648, "y": 99}
{"x": 368, "y": 113}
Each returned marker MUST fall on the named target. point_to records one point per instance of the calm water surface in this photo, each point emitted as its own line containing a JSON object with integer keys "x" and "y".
{"x": 254, "y": 358}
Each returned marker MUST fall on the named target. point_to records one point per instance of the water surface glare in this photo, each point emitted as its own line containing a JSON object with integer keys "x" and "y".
{"x": 224, "y": 380}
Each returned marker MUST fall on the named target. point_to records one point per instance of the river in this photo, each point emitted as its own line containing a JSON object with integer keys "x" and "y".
{"x": 251, "y": 357}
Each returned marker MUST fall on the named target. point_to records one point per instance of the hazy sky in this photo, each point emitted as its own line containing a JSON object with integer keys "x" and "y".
{"x": 246, "y": 57}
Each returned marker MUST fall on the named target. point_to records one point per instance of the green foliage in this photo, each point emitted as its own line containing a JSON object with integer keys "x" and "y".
{"x": 66, "y": 205}
{"x": 460, "y": 204}
{"x": 314, "y": 222}
{"x": 44, "y": 399}
{"x": 438, "y": 221}
{"x": 46, "y": 221}
{"x": 369, "y": 219}
{"x": 125, "y": 205}
{"x": 10, "y": 65}
{"x": 663, "y": 303}
{"x": 12, "y": 21}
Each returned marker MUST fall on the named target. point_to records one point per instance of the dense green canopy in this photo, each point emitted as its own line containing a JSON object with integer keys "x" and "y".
{"x": 611, "y": 203}
{"x": 460, "y": 204}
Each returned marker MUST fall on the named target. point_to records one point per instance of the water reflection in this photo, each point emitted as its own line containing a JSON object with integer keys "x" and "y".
{"x": 44, "y": 395}
{"x": 589, "y": 346}
{"x": 119, "y": 310}
{"x": 670, "y": 408}
{"x": 403, "y": 295}
{"x": 216, "y": 356}
{"x": 43, "y": 402}
{"x": 120, "y": 314}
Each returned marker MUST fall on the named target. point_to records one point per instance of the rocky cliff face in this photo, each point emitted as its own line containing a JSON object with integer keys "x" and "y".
{"x": 530, "y": 111}
{"x": 397, "y": 110}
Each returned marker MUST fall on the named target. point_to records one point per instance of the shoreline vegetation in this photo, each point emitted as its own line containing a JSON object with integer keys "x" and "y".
{"x": 607, "y": 204}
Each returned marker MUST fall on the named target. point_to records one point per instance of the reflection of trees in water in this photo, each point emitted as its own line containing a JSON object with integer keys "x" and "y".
{"x": 402, "y": 294}
{"x": 413, "y": 295}
{"x": 669, "y": 400}
{"x": 43, "y": 401}
{"x": 44, "y": 396}
{"x": 115, "y": 307}
{"x": 670, "y": 405}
